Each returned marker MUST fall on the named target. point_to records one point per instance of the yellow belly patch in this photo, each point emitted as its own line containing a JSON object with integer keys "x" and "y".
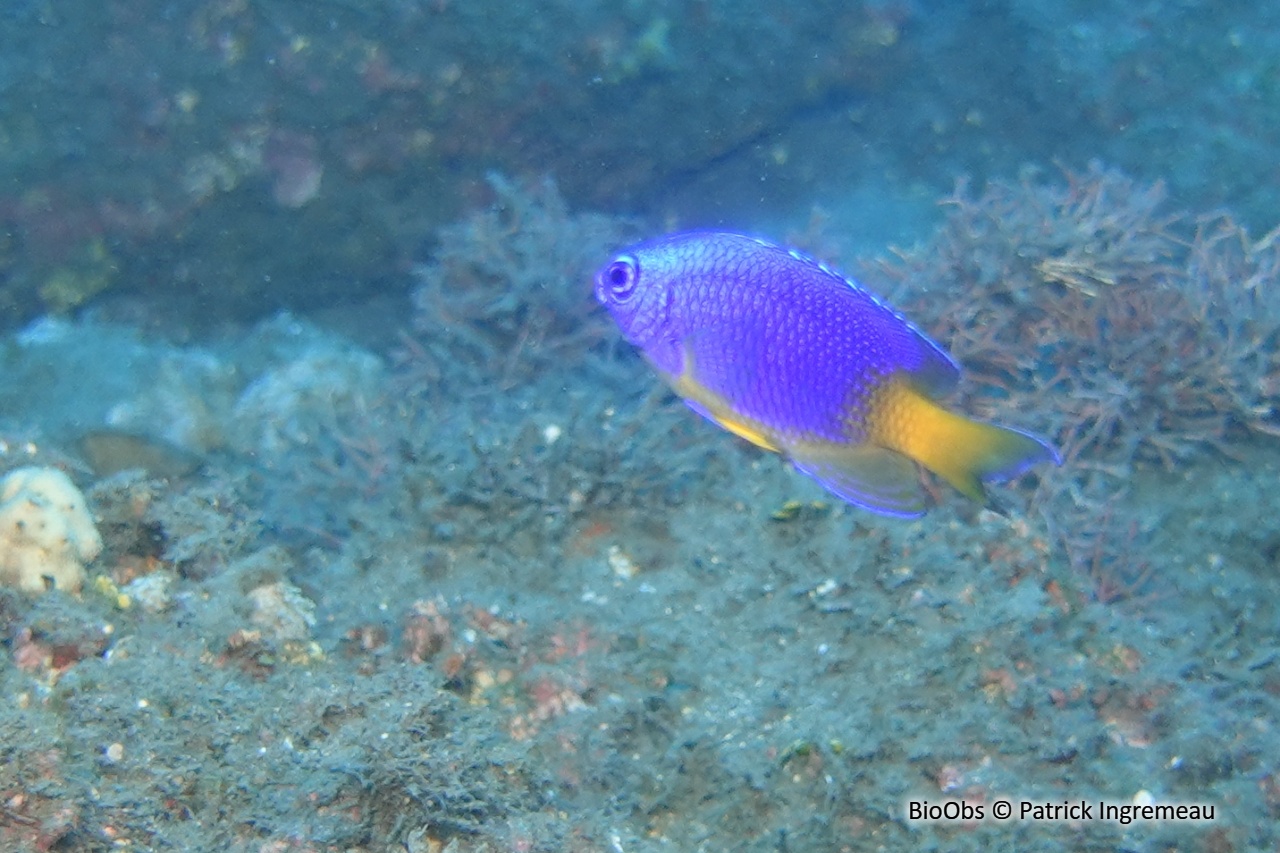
{"x": 717, "y": 409}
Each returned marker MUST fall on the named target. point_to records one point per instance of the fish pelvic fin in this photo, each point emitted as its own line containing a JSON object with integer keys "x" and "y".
{"x": 725, "y": 419}
{"x": 966, "y": 453}
{"x": 715, "y": 408}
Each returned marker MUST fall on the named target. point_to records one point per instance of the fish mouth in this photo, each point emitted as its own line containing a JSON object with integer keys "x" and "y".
{"x": 600, "y": 289}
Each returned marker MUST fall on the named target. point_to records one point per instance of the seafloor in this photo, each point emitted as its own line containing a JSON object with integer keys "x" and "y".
{"x": 484, "y": 586}
{"x": 406, "y": 550}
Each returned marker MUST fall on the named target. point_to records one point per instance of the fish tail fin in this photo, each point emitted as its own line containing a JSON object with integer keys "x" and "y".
{"x": 964, "y": 452}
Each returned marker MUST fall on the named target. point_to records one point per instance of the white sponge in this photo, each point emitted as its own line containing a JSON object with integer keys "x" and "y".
{"x": 46, "y": 531}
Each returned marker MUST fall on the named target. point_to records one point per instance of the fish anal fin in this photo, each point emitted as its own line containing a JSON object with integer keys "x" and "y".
{"x": 872, "y": 477}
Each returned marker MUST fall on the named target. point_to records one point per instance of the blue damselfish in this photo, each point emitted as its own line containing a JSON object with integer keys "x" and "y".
{"x": 780, "y": 350}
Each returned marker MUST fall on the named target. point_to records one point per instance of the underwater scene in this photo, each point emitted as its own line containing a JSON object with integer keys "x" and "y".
{"x": 673, "y": 425}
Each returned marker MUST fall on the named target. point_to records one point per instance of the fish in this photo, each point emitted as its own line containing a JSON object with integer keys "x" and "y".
{"x": 797, "y": 359}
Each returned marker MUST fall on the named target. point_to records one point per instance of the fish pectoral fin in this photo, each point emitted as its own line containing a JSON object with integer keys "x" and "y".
{"x": 872, "y": 477}
{"x": 717, "y": 410}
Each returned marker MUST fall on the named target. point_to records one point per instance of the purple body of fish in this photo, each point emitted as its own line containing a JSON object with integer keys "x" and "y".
{"x": 780, "y": 350}
{"x": 790, "y": 342}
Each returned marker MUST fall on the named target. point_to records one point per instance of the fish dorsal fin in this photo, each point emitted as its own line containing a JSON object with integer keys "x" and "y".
{"x": 938, "y": 374}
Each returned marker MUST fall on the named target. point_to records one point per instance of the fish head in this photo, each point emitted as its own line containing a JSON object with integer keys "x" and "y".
{"x": 636, "y": 291}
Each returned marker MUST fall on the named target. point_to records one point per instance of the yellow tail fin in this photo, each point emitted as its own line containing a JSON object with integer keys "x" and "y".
{"x": 963, "y": 452}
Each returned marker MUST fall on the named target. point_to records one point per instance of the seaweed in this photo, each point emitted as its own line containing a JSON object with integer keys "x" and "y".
{"x": 508, "y": 290}
{"x": 494, "y": 384}
{"x": 1131, "y": 332}
{"x": 1128, "y": 331}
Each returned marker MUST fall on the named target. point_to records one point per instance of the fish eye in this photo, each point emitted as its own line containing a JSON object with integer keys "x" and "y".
{"x": 621, "y": 276}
